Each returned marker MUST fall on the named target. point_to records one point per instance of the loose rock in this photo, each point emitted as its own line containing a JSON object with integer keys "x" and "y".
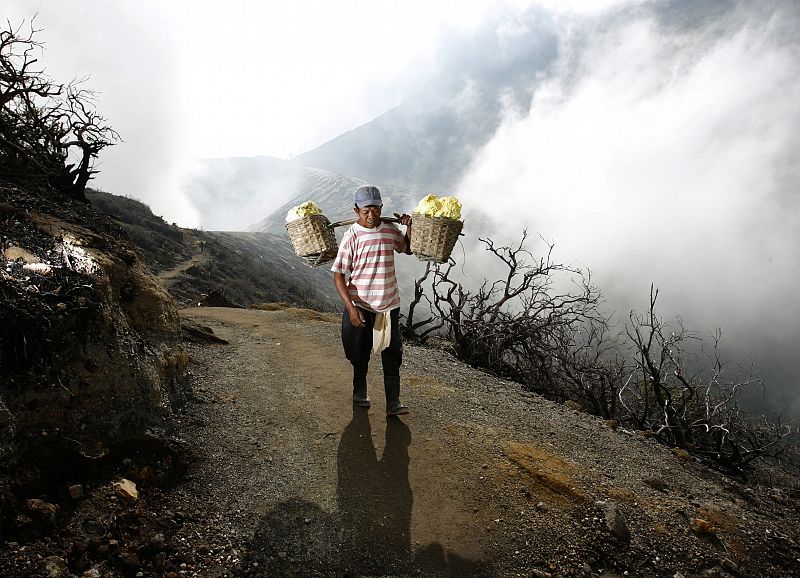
{"x": 126, "y": 489}
{"x": 615, "y": 523}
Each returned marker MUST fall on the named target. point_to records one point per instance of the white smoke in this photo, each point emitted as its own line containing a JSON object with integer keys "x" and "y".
{"x": 127, "y": 55}
{"x": 652, "y": 156}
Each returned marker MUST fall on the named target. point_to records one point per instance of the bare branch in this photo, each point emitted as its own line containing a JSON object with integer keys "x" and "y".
{"x": 43, "y": 124}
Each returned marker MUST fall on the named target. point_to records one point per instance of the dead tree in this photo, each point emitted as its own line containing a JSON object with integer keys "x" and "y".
{"x": 521, "y": 327}
{"x": 691, "y": 402}
{"x": 413, "y": 327}
{"x": 50, "y": 133}
{"x": 594, "y": 366}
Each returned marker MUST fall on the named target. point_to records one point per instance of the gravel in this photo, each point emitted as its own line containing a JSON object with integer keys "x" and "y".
{"x": 280, "y": 475}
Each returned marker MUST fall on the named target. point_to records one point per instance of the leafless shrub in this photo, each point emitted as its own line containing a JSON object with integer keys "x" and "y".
{"x": 554, "y": 341}
{"x": 654, "y": 376}
{"x": 50, "y": 133}
{"x": 691, "y": 400}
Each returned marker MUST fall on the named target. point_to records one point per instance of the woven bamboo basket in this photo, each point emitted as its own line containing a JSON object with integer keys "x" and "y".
{"x": 312, "y": 239}
{"x": 433, "y": 238}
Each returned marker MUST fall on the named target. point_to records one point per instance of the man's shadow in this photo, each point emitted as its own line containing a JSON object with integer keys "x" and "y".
{"x": 370, "y": 533}
{"x": 374, "y": 495}
{"x": 375, "y": 501}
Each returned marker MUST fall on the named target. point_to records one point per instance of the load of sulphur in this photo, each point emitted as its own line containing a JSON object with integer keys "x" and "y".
{"x": 445, "y": 207}
{"x": 300, "y": 211}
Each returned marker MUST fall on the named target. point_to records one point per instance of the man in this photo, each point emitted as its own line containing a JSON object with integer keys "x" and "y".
{"x": 371, "y": 320}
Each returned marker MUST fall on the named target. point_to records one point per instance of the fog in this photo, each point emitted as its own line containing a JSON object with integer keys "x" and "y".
{"x": 129, "y": 58}
{"x": 195, "y": 79}
{"x": 232, "y": 193}
{"x": 661, "y": 154}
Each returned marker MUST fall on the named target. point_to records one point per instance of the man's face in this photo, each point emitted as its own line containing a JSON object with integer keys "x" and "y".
{"x": 369, "y": 217}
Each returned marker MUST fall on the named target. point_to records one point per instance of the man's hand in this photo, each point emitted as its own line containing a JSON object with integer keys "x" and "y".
{"x": 405, "y": 220}
{"x": 356, "y": 318}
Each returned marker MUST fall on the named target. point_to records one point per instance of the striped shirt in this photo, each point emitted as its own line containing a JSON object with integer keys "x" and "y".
{"x": 368, "y": 256}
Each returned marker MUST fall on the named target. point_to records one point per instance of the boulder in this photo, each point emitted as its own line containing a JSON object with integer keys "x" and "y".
{"x": 126, "y": 490}
{"x": 41, "y": 511}
{"x": 615, "y": 523}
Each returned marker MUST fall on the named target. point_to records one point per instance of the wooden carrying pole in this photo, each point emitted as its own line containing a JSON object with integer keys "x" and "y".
{"x": 395, "y": 219}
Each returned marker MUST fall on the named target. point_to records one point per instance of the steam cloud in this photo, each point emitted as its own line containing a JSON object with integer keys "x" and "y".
{"x": 664, "y": 154}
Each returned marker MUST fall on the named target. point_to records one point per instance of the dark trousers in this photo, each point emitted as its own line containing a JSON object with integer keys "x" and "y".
{"x": 357, "y": 342}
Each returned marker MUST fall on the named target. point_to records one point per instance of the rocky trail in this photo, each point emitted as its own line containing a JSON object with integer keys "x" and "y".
{"x": 170, "y": 274}
{"x": 269, "y": 470}
{"x": 318, "y": 485}
{"x": 482, "y": 479}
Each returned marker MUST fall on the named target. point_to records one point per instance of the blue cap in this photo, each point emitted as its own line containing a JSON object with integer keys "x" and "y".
{"x": 367, "y": 195}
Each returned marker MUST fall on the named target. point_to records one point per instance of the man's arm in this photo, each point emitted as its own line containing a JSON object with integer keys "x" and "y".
{"x": 406, "y": 220}
{"x": 356, "y": 319}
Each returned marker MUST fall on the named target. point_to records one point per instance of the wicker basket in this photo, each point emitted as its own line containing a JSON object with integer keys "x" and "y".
{"x": 312, "y": 239}
{"x": 433, "y": 238}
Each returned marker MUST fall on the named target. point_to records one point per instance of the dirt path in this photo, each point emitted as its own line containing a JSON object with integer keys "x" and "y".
{"x": 289, "y": 479}
{"x": 170, "y": 274}
{"x": 355, "y": 490}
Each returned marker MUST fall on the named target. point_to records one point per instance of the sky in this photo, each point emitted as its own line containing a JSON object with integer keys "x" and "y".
{"x": 182, "y": 80}
{"x": 189, "y": 79}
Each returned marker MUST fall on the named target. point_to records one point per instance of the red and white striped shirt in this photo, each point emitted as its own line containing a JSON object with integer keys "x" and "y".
{"x": 368, "y": 256}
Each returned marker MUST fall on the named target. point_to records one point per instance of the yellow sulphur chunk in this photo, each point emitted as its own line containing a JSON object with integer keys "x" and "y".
{"x": 449, "y": 208}
{"x": 428, "y": 206}
{"x": 303, "y": 210}
{"x": 433, "y": 206}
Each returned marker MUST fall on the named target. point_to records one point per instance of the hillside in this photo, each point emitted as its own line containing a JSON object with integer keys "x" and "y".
{"x": 91, "y": 362}
{"x": 429, "y": 145}
{"x": 286, "y": 478}
{"x": 241, "y": 268}
{"x": 334, "y": 195}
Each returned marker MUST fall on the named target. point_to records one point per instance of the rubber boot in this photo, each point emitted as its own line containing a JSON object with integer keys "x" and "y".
{"x": 360, "y": 397}
{"x": 391, "y": 385}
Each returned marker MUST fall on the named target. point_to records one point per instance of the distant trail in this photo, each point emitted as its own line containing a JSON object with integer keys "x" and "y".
{"x": 196, "y": 259}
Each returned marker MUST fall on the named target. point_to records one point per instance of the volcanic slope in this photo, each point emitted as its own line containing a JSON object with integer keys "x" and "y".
{"x": 481, "y": 479}
{"x": 241, "y": 268}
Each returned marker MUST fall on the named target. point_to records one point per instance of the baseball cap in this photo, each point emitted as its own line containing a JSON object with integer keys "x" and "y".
{"x": 367, "y": 195}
